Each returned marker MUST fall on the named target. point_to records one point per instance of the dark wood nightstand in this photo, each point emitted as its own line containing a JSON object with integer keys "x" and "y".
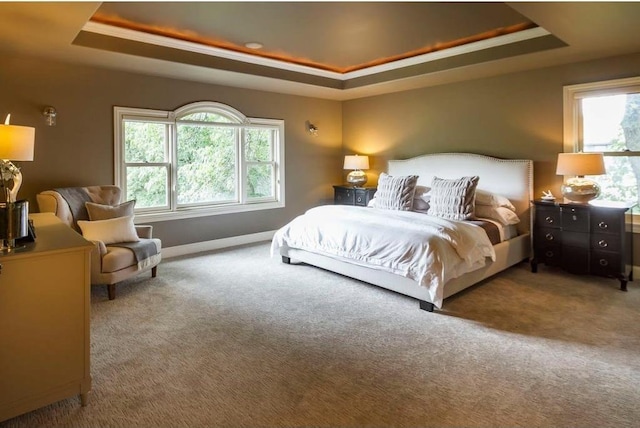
{"x": 584, "y": 239}
{"x": 349, "y": 195}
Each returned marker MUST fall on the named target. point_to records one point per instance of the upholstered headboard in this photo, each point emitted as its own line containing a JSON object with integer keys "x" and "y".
{"x": 512, "y": 178}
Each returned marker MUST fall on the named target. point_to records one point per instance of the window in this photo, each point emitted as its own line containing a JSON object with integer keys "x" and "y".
{"x": 605, "y": 117}
{"x": 204, "y": 158}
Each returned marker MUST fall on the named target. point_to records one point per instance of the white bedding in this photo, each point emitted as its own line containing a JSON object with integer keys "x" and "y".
{"x": 426, "y": 249}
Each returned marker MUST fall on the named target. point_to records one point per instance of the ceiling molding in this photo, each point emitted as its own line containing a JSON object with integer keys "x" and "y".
{"x": 188, "y": 46}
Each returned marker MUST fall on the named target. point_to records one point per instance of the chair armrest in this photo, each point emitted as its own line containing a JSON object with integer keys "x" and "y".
{"x": 99, "y": 250}
{"x": 144, "y": 230}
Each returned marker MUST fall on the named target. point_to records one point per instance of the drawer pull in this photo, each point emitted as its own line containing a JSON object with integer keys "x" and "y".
{"x": 574, "y": 217}
{"x": 549, "y": 253}
{"x": 549, "y": 237}
{"x": 602, "y": 243}
{"x": 359, "y": 198}
{"x": 604, "y": 262}
{"x": 603, "y": 225}
{"x": 549, "y": 220}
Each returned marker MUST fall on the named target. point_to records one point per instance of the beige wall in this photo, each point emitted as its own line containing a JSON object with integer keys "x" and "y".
{"x": 79, "y": 150}
{"x": 512, "y": 116}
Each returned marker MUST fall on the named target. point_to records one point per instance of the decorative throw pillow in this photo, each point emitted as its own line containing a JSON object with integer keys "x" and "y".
{"x": 111, "y": 231}
{"x": 105, "y": 212}
{"x": 395, "y": 193}
{"x": 502, "y": 215}
{"x": 491, "y": 199}
{"x": 453, "y": 199}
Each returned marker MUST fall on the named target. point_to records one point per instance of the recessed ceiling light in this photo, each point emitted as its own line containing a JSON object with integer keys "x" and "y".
{"x": 253, "y": 45}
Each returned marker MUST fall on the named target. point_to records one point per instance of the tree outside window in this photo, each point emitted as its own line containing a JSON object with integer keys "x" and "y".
{"x": 201, "y": 159}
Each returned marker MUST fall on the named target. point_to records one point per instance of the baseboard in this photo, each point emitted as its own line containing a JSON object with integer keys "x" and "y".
{"x": 198, "y": 247}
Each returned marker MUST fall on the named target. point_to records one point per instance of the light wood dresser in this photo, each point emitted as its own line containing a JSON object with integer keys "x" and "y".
{"x": 44, "y": 319}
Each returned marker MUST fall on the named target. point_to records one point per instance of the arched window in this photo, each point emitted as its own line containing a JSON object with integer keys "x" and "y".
{"x": 201, "y": 159}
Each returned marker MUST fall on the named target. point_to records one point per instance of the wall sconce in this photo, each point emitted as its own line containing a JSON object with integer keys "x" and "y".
{"x": 50, "y": 113}
{"x": 313, "y": 130}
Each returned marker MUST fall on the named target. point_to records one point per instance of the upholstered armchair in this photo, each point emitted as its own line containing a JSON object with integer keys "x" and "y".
{"x": 111, "y": 262}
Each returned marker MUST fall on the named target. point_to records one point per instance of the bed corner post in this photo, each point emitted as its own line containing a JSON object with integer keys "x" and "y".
{"x": 286, "y": 260}
{"x": 426, "y": 306}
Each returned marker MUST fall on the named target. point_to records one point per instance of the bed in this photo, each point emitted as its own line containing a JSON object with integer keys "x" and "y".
{"x": 509, "y": 178}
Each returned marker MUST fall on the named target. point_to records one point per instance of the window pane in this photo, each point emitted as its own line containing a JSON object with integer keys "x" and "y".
{"x": 207, "y": 117}
{"x": 258, "y": 145}
{"x": 148, "y": 186}
{"x": 620, "y": 183}
{"x": 611, "y": 123}
{"x": 206, "y": 164}
{"x": 260, "y": 181}
{"x": 144, "y": 142}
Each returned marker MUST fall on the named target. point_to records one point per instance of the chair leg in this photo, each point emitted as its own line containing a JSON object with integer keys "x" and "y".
{"x": 154, "y": 271}
{"x": 111, "y": 288}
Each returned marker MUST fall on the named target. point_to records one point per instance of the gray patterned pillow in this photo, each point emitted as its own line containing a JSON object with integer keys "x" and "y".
{"x": 396, "y": 193}
{"x": 453, "y": 199}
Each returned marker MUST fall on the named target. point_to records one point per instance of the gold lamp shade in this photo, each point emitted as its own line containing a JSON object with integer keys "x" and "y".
{"x": 578, "y": 188}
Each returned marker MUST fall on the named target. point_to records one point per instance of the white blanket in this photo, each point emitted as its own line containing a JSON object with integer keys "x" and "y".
{"x": 426, "y": 249}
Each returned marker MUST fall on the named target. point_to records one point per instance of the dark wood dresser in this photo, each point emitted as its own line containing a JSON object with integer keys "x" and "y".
{"x": 349, "y": 195}
{"x": 584, "y": 239}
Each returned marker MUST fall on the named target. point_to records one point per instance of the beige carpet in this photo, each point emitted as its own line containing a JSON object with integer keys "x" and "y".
{"x": 234, "y": 338}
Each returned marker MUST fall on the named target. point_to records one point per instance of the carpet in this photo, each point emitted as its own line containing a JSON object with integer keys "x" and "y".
{"x": 234, "y": 338}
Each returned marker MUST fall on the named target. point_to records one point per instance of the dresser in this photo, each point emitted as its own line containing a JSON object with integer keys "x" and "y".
{"x": 44, "y": 318}
{"x": 584, "y": 239}
{"x": 349, "y": 195}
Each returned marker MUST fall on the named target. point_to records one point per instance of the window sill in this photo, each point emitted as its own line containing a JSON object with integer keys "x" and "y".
{"x": 187, "y": 213}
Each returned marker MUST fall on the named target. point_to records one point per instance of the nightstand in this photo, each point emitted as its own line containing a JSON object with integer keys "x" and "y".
{"x": 584, "y": 239}
{"x": 349, "y": 195}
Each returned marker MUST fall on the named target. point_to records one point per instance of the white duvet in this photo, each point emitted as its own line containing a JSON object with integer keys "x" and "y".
{"x": 426, "y": 249}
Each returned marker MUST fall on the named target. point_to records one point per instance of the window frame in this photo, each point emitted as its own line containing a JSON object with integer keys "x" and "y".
{"x": 572, "y": 111}
{"x": 171, "y": 119}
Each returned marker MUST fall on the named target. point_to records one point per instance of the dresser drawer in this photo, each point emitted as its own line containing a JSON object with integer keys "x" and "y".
{"x": 550, "y": 255}
{"x": 548, "y": 236}
{"x": 606, "y": 263}
{"x": 344, "y": 196}
{"x": 575, "y": 260}
{"x": 606, "y": 242}
{"x": 548, "y": 217}
{"x": 575, "y": 239}
{"x": 575, "y": 219}
{"x": 607, "y": 221}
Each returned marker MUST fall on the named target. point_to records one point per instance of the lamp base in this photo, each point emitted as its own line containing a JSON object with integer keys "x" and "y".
{"x": 580, "y": 190}
{"x": 357, "y": 178}
{"x": 14, "y": 223}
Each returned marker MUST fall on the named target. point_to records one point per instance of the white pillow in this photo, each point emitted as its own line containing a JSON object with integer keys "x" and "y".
{"x": 112, "y": 231}
{"x": 502, "y": 215}
{"x": 453, "y": 199}
{"x": 395, "y": 193}
{"x": 491, "y": 199}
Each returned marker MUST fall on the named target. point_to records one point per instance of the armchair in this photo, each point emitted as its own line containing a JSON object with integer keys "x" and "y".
{"x": 110, "y": 263}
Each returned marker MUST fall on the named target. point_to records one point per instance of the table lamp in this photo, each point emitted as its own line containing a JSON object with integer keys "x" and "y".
{"x": 357, "y": 177}
{"x": 580, "y": 189}
{"x": 16, "y": 144}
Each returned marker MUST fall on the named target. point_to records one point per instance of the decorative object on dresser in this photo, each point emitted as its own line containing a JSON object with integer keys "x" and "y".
{"x": 579, "y": 188}
{"x": 122, "y": 250}
{"x": 349, "y": 195}
{"x": 357, "y": 177}
{"x": 584, "y": 239}
{"x": 45, "y": 314}
{"x": 16, "y": 144}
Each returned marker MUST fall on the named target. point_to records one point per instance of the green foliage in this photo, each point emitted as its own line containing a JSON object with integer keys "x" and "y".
{"x": 207, "y": 165}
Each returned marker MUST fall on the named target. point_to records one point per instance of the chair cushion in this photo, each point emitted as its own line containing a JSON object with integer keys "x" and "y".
{"x": 118, "y": 258}
{"x": 105, "y": 212}
{"x": 114, "y": 230}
